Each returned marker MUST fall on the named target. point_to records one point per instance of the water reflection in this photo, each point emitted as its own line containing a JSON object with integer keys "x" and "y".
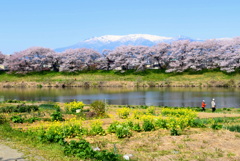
{"x": 225, "y": 97}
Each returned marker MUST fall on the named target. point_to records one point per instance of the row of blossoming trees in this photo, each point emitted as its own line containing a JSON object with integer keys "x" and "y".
{"x": 177, "y": 56}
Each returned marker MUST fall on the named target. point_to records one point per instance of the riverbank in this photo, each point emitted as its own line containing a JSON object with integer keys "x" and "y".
{"x": 195, "y": 141}
{"x": 116, "y": 79}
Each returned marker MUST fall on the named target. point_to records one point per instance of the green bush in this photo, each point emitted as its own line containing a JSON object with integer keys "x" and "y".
{"x": 32, "y": 119}
{"x": 96, "y": 129}
{"x": 216, "y": 126}
{"x": 83, "y": 150}
{"x": 136, "y": 127}
{"x": 57, "y": 116}
{"x": 148, "y": 125}
{"x": 17, "y": 119}
{"x": 174, "y": 132}
{"x": 235, "y": 128}
{"x": 113, "y": 127}
{"x": 12, "y": 101}
{"x": 161, "y": 123}
{"x": 47, "y": 106}
{"x": 123, "y": 131}
{"x": 19, "y": 108}
{"x": 99, "y": 108}
{"x": 50, "y": 136}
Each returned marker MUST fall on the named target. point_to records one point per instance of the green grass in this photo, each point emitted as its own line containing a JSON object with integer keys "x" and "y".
{"x": 148, "y": 75}
{"x": 35, "y": 149}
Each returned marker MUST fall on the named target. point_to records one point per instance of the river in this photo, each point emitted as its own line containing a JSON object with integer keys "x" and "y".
{"x": 174, "y": 96}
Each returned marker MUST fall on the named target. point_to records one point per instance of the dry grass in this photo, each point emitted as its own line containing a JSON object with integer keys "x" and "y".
{"x": 195, "y": 144}
{"x": 211, "y": 115}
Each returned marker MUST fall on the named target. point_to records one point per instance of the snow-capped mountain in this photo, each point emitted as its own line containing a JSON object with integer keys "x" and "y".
{"x": 113, "y": 41}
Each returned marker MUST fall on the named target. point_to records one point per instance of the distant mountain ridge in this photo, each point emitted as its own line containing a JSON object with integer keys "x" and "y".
{"x": 113, "y": 41}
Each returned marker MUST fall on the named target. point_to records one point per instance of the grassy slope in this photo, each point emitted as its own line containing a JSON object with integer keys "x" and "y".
{"x": 129, "y": 76}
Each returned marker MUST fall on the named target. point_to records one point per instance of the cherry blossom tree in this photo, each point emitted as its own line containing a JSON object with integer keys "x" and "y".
{"x": 159, "y": 54}
{"x": 78, "y": 59}
{"x": 32, "y": 59}
{"x": 2, "y": 57}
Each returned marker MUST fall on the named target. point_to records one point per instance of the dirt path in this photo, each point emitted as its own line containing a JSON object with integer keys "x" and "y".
{"x": 9, "y": 154}
{"x": 210, "y": 115}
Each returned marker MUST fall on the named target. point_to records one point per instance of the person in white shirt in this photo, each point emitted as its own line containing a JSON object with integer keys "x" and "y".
{"x": 213, "y": 104}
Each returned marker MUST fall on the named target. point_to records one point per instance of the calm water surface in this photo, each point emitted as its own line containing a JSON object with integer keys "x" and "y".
{"x": 225, "y": 97}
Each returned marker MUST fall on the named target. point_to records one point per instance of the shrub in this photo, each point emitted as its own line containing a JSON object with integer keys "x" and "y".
{"x": 32, "y": 119}
{"x": 174, "y": 132}
{"x": 12, "y": 101}
{"x": 161, "y": 123}
{"x": 136, "y": 127}
{"x": 57, "y": 116}
{"x": 96, "y": 128}
{"x": 17, "y": 119}
{"x": 235, "y": 128}
{"x": 123, "y": 131}
{"x": 113, "y": 127}
{"x": 99, "y": 108}
{"x": 123, "y": 112}
{"x": 8, "y": 109}
{"x": 216, "y": 126}
{"x": 73, "y": 106}
{"x": 50, "y": 136}
{"x": 19, "y": 108}
{"x": 83, "y": 150}
{"x": 148, "y": 125}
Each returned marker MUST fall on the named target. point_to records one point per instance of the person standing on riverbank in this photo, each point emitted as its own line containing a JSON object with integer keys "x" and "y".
{"x": 203, "y": 105}
{"x": 213, "y": 104}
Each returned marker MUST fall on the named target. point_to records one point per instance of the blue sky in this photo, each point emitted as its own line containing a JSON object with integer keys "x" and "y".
{"x": 60, "y": 23}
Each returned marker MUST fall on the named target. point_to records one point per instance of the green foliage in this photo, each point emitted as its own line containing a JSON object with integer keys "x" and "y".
{"x": 136, "y": 127}
{"x": 216, "y": 126}
{"x": 99, "y": 108}
{"x": 32, "y": 119}
{"x": 13, "y": 101}
{"x": 17, "y": 119}
{"x": 148, "y": 125}
{"x": 235, "y": 128}
{"x": 2, "y": 119}
{"x": 174, "y": 132}
{"x": 83, "y": 150}
{"x": 96, "y": 129}
{"x": 50, "y": 136}
{"x": 199, "y": 123}
{"x": 57, "y": 116}
{"x": 113, "y": 127}
{"x": 161, "y": 123}
{"x": 122, "y": 131}
{"x": 47, "y": 106}
{"x": 19, "y": 108}
{"x": 143, "y": 107}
